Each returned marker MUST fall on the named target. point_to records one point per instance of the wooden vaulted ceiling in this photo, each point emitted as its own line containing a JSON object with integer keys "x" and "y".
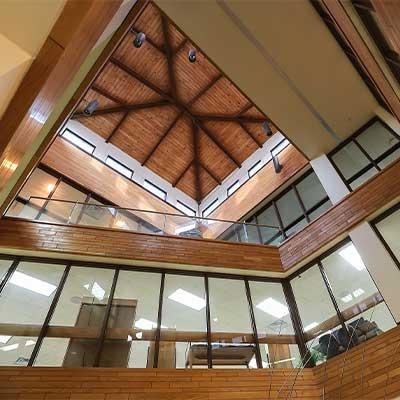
{"x": 187, "y": 122}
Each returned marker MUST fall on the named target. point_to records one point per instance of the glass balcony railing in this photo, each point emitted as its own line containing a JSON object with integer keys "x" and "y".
{"x": 142, "y": 221}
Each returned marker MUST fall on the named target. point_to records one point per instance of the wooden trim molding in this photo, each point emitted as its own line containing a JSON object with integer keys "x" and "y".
{"x": 378, "y": 192}
{"x": 138, "y": 247}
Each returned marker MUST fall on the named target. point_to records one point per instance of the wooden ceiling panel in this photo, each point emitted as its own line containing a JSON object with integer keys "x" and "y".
{"x": 185, "y": 121}
{"x": 150, "y": 23}
{"x": 234, "y": 138}
{"x": 222, "y": 98}
{"x": 155, "y": 68}
{"x": 191, "y": 78}
{"x": 120, "y": 84}
{"x": 188, "y": 182}
{"x": 213, "y": 158}
{"x": 141, "y": 131}
{"x": 174, "y": 154}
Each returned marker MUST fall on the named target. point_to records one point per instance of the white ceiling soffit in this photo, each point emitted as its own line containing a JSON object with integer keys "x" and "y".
{"x": 284, "y": 58}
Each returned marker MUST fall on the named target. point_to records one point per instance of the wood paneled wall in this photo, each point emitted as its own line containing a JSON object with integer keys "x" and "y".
{"x": 260, "y": 186}
{"x": 73, "y": 36}
{"x": 370, "y": 371}
{"x": 148, "y": 384}
{"x": 139, "y": 247}
{"x": 367, "y": 199}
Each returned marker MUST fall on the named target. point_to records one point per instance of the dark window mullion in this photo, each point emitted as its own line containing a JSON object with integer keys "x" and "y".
{"x": 49, "y": 196}
{"x": 278, "y": 216}
{"x": 371, "y": 160}
{"x": 303, "y": 208}
{"x": 103, "y": 331}
{"x": 208, "y": 320}
{"x": 45, "y": 326}
{"x": 317, "y": 205}
{"x": 360, "y": 173}
{"x": 387, "y": 153}
{"x": 9, "y": 274}
{"x": 159, "y": 318}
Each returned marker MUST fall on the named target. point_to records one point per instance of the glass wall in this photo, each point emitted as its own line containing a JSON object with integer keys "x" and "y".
{"x": 388, "y": 228}
{"x": 339, "y": 304}
{"x": 367, "y": 152}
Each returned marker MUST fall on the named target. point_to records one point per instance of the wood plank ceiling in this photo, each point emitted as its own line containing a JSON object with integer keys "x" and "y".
{"x": 187, "y": 122}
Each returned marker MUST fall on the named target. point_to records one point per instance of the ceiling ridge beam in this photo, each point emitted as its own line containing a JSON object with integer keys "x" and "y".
{"x": 182, "y": 174}
{"x": 229, "y": 118}
{"x": 205, "y": 89}
{"x": 196, "y": 162}
{"x": 169, "y": 56}
{"x": 122, "y": 108}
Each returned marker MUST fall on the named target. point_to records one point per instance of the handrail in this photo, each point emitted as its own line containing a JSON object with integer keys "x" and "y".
{"x": 153, "y": 212}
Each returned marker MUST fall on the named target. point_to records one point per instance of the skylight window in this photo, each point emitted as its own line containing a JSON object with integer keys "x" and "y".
{"x": 35, "y": 285}
{"x": 310, "y": 326}
{"x": 119, "y": 167}
{"x": 151, "y": 187}
{"x": 273, "y": 307}
{"x": 255, "y": 168}
{"x": 78, "y": 141}
{"x": 210, "y": 208}
{"x": 351, "y": 255}
{"x": 232, "y": 189}
{"x": 188, "y": 299}
{"x": 185, "y": 209}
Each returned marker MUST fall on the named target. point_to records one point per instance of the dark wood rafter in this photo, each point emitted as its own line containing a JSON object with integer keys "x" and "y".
{"x": 196, "y": 161}
{"x": 124, "y": 108}
{"x": 169, "y": 56}
{"x": 193, "y": 96}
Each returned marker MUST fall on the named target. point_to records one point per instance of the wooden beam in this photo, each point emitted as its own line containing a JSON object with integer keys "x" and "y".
{"x": 106, "y": 94}
{"x": 227, "y": 118}
{"x": 204, "y": 90}
{"x": 250, "y": 134}
{"x": 209, "y": 172}
{"x": 116, "y": 128}
{"x": 181, "y": 46}
{"x": 122, "y": 108}
{"x": 169, "y": 55}
{"x": 196, "y": 162}
{"x": 148, "y": 40}
{"x": 182, "y": 174}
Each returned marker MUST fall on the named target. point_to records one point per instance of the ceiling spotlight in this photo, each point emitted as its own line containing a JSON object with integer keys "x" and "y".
{"x": 139, "y": 39}
{"x": 192, "y": 55}
{"x": 267, "y": 128}
{"x": 91, "y": 107}
{"x": 277, "y": 164}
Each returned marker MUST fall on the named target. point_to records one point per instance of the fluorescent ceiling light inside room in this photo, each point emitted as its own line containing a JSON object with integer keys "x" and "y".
{"x": 10, "y": 347}
{"x": 351, "y": 255}
{"x": 146, "y": 325}
{"x": 35, "y": 285}
{"x": 4, "y": 339}
{"x": 347, "y": 298}
{"x": 358, "y": 292}
{"x": 98, "y": 291}
{"x": 310, "y": 326}
{"x": 273, "y": 307}
{"x": 188, "y": 299}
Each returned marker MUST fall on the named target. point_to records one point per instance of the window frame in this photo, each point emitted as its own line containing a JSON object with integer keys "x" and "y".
{"x": 185, "y": 206}
{"x": 151, "y": 184}
{"x": 80, "y": 138}
{"x": 204, "y": 213}
{"x": 120, "y": 164}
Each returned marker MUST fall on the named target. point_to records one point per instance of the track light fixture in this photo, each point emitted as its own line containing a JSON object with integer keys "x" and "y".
{"x": 267, "y": 128}
{"x": 91, "y": 107}
{"x": 277, "y": 165}
{"x": 192, "y": 55}
{"x": 139, "y": 40}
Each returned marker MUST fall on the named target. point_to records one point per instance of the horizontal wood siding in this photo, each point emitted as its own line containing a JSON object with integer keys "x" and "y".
{"x": 370, "y": 197}
{"x": 86, "y": 241}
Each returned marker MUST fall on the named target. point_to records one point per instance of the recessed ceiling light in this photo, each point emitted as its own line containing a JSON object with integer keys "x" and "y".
{"x": 129, "y": 339}
{"x": 146, "y": 325}
{"x": 98, "y": 291}
{"x": 10, "y": 347}
{"x": 358, "y": 292}
{"x": 215, "y": 319}
{"x": 4, "y": 339}
{"x": 50, "y": 187}
{"x": 35, "y": 285}
{"x": 310, "y": 326}
{"x": 29, "y": 343}
{"x": 188, "y": 299}
{"x": 273, "y": 307}
{"x": 347, "y": 298}
{"x": 351, "y": 255}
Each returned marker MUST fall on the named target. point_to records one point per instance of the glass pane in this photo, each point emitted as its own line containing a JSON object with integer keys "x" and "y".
{"x": 133, "y": 321}
{"x": 24, "y": 304}
{"x": 59, "y": 211}
{"x": 317, "y": 312}
{"x": 268, "y": 217}
{"x": 320, "y": 210}
{"x": 377, "y": 139}
{"x": 311, "y": 190}
{"x": 389, "y": 159}
{"x": 39, "y": 184}
{"x": 4, "y": 267}
{"x": 352, "y": 285}
{"x": 77, "y": 320}
{"x": 274, "y": 326}
{"x": 289, "y": 207}
{"x": 21, "y": 210}
{"x": 350, "y": 159}
{"x": 183, "y": 327}
{"x": 232, "y": 336}
{"x": 363, "y": 178}
{"x": 93, "y": 215}
{"x": 300, "y": 225}
{"x": 389, "y": 228}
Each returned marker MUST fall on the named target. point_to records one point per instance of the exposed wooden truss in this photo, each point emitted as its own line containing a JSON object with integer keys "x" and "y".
{"x": 185, "y": 99}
